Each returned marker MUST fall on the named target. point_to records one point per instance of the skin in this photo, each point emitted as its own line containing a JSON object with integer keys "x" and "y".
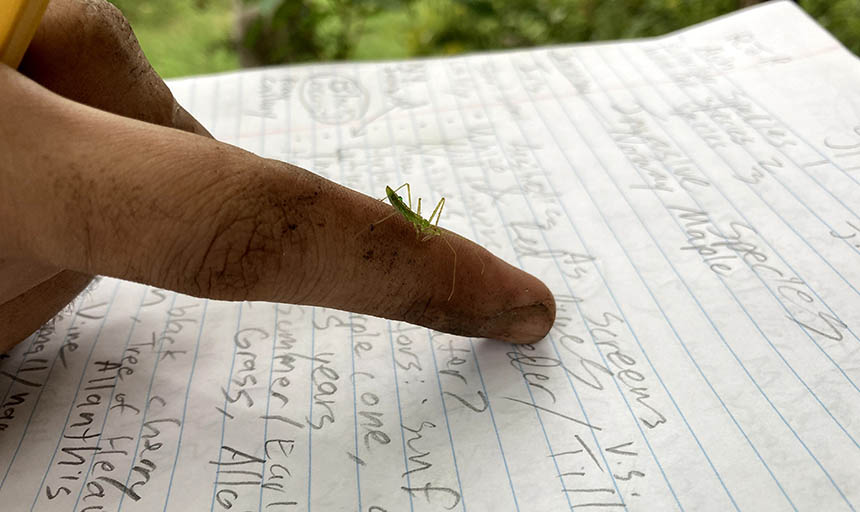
{"x": 103, "y": 173}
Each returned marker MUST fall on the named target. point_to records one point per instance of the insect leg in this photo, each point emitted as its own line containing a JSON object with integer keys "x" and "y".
{"x": 401, "y": 186}
{"x": 380, "y": 221}
{"x": 408, "y": 193}
{"x": 437, "y": 212}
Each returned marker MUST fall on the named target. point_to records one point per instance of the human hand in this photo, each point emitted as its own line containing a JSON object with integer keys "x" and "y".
{"x": 102, "y": 173}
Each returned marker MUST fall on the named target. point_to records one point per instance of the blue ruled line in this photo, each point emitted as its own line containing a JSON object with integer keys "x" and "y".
{"x": 445, "y": 412}
{"x": 393, "y": 359}
{"x": 683, "y": 344}
{"x": 799, "y": 166}
{"x": 112, "y": 392}
{"x": 713, "y": 325}
{"x": 787, "y": 224}
{"x": 134, "y": 453}
{"x": 570, "y": 291}
{"x": 185, "y": 403}
{"x": 627, "y": 323}
{"x": 458, "y": 182}
{"x": 400, "y": 415}
{"x": 75, "y": 398}
{"x": 81, "y": 302}
{"x": 354, "y": 411}
{"x": 33, "y": 337}
{"x": 727, "y": 78}
{"x": 311, "y": 400}
{"x": 313, "y": 334}
{"x": 268, "y": 402}
{"x": 289, "y": 152}
{"x": 393, "y": 142}
{"x": 772, "y": 293}
{"x": 224, "y": 410}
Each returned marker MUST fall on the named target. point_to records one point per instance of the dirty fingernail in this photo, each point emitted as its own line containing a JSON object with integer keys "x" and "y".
{"x": 523, "y": 324}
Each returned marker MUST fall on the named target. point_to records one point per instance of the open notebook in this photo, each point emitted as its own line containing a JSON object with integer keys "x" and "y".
{"x": 693, "y": 202}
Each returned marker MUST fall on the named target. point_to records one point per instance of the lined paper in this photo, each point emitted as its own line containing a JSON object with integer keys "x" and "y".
{"x": 691, "y": 200}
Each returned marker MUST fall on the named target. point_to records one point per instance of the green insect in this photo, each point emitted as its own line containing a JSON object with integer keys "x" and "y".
{"x": 425, "y": 229}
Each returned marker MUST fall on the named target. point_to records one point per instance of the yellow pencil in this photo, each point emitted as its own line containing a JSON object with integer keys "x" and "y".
{"x": 19, "y": 20}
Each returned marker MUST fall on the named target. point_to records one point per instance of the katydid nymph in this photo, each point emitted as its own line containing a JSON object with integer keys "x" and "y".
{"x": 425, "y": 229}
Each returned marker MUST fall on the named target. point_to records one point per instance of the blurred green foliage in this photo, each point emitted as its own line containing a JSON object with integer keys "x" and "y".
{"x": 184, "y": 37}
{"x": 337, "y": 28}
{"x": 194, "y": 36}
{"x": 276, "y": 31}
{"x": 516, "y": 23}
{"x": 840, "y": 17}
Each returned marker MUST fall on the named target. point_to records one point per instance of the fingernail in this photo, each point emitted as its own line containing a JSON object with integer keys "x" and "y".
{"x": 523, "y": 324}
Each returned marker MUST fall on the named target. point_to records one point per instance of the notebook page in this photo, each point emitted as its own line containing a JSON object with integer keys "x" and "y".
{"x": 691, "y": 200}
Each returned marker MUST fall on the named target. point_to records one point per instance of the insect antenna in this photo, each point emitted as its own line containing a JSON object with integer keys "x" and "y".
{"x": 454, "y": 271}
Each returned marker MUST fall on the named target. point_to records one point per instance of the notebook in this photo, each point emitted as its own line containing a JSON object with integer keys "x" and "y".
{"x": 692, "y": 201}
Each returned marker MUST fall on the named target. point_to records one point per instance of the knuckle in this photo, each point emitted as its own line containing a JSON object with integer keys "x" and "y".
{"x": 101, "y": 23}
{"x": 251, "y": 244}
{"x": 132, "y": 88}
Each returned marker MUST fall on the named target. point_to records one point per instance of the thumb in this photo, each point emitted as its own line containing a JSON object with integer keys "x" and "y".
{"x": 152, "y": 204}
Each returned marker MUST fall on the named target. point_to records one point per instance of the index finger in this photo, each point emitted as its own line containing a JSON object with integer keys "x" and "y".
{"x": 204, "y": 218}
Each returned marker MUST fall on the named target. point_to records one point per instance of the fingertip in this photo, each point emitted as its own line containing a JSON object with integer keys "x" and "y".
{"x": 529, "y": 318}
{"x": 494, "y": 299}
